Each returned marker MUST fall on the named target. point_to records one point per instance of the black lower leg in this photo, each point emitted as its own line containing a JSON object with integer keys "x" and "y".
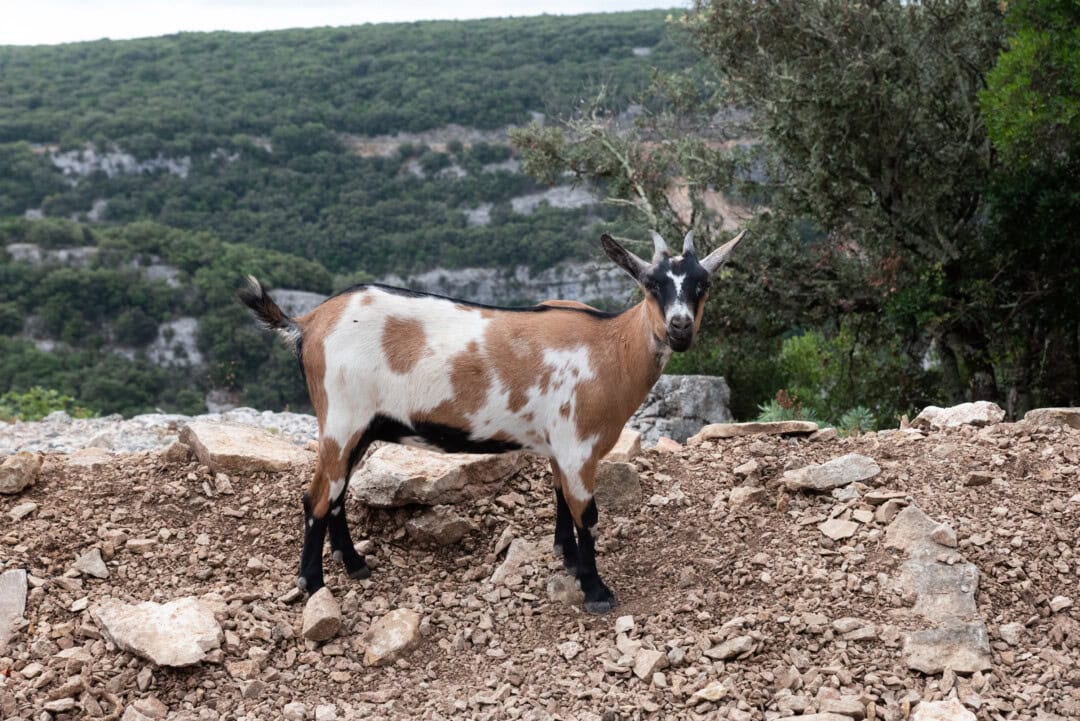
{"x": 565, "y": 545}
{"x": 310, "y": 578}
{"x": 341, "y": 545}
{"x": 598, "y": 597}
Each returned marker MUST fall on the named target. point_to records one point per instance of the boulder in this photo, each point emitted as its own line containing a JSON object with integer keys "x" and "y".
{"x": 322, "y": 616}
{"x": 677, "y": 406}
{"x": 1069, "y": 417}
{"x": 626, "y": 448}
{"x": 836, "y": 473}
{"x": 618, "y": 487}
{"x": 962, "y": 647}
{"x": 19, "y": 472}
{"x": 439, "y": 526}
{"x": 12, "y": 604}
{"x": 979, "y": 413}
{"x": 177, "y": 633}
{"x": 737, "y": 430}
{"x": 238, "y": 448}
{"x": 391, "y": 636}
{"x": 396, "y": 475}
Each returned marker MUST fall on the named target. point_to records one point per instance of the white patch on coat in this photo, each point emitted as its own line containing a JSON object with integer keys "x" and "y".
{"x": 336, "y": 487}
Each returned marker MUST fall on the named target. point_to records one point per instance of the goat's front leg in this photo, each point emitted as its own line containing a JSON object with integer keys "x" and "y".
{"x": 316, "y": 519}
{"x": 565, "y": 545}
{"x": 341, "y": 545}
{"x": 577, "y": 491}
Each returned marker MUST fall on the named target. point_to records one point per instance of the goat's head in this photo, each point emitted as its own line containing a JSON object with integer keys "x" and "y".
{"x": 676, "y": 287}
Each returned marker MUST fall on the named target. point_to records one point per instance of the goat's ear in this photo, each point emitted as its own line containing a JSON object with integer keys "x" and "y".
{"x": 626, "y": 260}
{"x": 718, "y": 257}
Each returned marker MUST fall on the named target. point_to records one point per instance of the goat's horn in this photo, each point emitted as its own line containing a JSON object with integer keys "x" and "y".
{"x": 688, "y": 242}
{"x": 659, "y": 246}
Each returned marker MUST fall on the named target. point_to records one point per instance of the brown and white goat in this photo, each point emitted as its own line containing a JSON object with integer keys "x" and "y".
{"x": 558, "y": 379}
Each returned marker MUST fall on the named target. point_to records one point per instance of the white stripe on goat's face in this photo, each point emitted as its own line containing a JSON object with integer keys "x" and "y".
{"x": 678, "y": 285}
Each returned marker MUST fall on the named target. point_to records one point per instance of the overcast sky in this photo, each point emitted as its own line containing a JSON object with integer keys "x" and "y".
{"x": 35, "y": 22}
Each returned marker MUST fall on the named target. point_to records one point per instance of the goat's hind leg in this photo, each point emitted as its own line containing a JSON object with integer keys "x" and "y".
{"x": 598, "y": 597}
{"x": 566, "y": 546}
{"x": 316, "y": 519}
{"x": 341, "y": 545}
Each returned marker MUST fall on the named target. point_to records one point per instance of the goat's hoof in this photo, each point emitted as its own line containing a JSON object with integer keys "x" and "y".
{"x": 361, "y": 572}
{"x": 598, "y": 608}
{"x": 308, "y": 586}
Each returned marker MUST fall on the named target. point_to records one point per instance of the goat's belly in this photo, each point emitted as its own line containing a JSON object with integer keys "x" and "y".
{"x": 438, "y": 437}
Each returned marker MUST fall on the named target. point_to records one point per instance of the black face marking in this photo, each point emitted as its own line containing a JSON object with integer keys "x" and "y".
{"x": 678, "y": 286}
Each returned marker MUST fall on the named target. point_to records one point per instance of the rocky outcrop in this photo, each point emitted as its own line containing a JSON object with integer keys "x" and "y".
{"x": 979, "y": 413}
{"x": 235, "y": 448}
{"x": 397, "y": 476}
{"x": 1069, "y": 417}
{"x": 678, "y": 406}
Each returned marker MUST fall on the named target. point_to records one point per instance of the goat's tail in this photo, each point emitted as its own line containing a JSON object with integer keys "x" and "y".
{"x": 269, "y": 314}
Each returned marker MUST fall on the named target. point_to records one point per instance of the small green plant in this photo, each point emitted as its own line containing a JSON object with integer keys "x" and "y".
{"x": 38, "y": 402}
{"x": 785, "y": 407}
{"x": 858, "y": 419}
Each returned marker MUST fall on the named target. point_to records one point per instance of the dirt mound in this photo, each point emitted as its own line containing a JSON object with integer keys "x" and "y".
{"x": 742, "y": 607}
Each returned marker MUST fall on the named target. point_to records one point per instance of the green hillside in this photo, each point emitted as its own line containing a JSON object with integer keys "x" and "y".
{"x": 220, "y": 154}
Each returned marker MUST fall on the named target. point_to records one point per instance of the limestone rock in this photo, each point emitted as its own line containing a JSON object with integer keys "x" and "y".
{"x": 563, "y": 588}
{"x": 439, "y": 526}
{"x": 1054, "y": 417}
{"x": 964, "y": 648}
{"x": 647, "y": 662}
{"x": 667, "y": 445}
{"x": 679, "y": 405}
{"x": 827, "y": 716}
{"x": 91, "y": 564}
{"x": 19, "y": 471}
{"x": 21, "y": 510}
{"x": 943, "y": 592}
{"x": 176, "y": 452}
{"x": 569, "y": 649}
{"x": 177, "y": 633}
{"x": 322, "y": 616}
{"x": 979, "y": 413}
{"x": 910, "y": 532}
{"x": 836, "y": 473}
{"x": 294, "y": 711}
{"x": 951, "y": 710}
{"x": 731, "y": 648}
{"x": 237, "y": 448}
{"x": 736, "y": 430}
{"x": 624, "y": 624}
{"x": 714, "y": 691}
{"x": 12, "y": 603}
{"x": 1011, "y": 632}
{"x": 746, "y": 496}
{"x": 945, "y": 535}
{"x": 90, "y": 459}
{"x": 391, "y": 636}
{"x": 627, "y": 448}
{"x": 617, "y": 487}
{"x": 838, "y": 530}
{"x": 518, "y": 554}
{"x": 849, "y": 706}
{"x": 396, "y": 475}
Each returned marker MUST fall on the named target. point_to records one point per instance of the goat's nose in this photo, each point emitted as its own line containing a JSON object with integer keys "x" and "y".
{"x": 681, "y": 324}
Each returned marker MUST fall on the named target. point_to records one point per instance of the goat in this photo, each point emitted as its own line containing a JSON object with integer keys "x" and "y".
{"x": 559, "y": 379}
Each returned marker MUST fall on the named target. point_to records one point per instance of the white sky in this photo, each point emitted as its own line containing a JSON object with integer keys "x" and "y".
{"x": 36, "y": 22}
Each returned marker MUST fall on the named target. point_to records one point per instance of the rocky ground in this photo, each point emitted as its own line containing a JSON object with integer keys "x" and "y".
{"x": 742, "y": 596}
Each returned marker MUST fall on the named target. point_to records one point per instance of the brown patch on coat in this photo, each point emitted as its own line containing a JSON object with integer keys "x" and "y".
{"x": 700, "y": 312}
{"x": 403, "y": 343}
{"x": 470, "y": 378}
{"x": 367, "y": 299}
{"x": 564, "y": 410}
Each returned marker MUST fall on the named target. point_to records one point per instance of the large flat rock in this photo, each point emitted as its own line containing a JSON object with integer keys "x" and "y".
{"x": 177, "y": 633}
{"x": 979, "y": 413}
{"x": 836, "y": 473}
{"x": 736, "y": 430}
{"x": 397, "y": 475}
{"x": 237, "y": 448}
{"x": 1069, "y": 417}
{"x": 964, "y": 648}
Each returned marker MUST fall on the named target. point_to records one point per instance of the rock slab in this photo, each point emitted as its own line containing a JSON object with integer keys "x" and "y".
{"x": 177, "y": 633}
{"x": 439, "y": 526}
{"x": 1068, "y": 417}
{"x": 397, "y": 475}
{"x": 979, "y": 413}
{"x": 91, "y": 564}
{"x": 964, "y": 648}
{"x": 391, "y": 636}
{"x": 19, "y": 472}
{"x": 836, "y": 473}
{"x": 236, "y": 448}
{"x": 737, "y": 430}
{"x": 12, "y": 603}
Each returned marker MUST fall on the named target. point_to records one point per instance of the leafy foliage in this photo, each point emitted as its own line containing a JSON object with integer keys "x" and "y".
{"x": 38, "y": 402}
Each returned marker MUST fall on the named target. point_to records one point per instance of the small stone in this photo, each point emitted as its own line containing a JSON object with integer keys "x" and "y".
{"x": 647, "y": 662}
{"x": 91, "y": 564}
{"x": 834, "y": 474}
{"x": 252, "y": 690}
{"x": 951, "y": 710}
{"x": 391, "y": 636}
{"x": 624, "y": 624}
{"x": 322, "y": 616}
{"x": 22, "y": 510}
{"x": 977, "y": 478}
{"x": 731, "y": 648}
{"x": 827, "y": 716}
{"x": 563, "y": 588}
{"x": 714, "y": 691}
{"x": 847, "y": 624}
{"x": 294, "y": 711}
{"x": 825, "y": 434}
{"x": 241, "y": 449}
{"x": 140, "y": 545}
{"x": 746, "y": 495}
{"x": 256, "y": 566}
{"x": 849, "y": 706}
{"x": 151, "y": 707}
{"x": 510, "y": 500}
{"x": 838, "y": 530}
{"x": 31, "y": 670}
{"x": 618, "y": 487}
{"x": 1060, "y": 603}
{"x": 667, "y": 445}
{"x": 736, "y": 430}
{"x": 441, "y": 526}
{"x": 569, "y": 649}
{"x": 1010, "y": 633}
{"x": 945, "y": 535}
{"x": 880, "y": 496}
{"x": 520, "y": 552}
{"x": 749, "y": 468}
{"x": 863, "y": 515}
{"x": 59, "y": 705}
{"x": 326, "y": 712}
{"x": 979, "y": 413}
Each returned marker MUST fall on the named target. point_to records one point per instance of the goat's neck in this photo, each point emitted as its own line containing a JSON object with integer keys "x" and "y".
{"x": 639, "y": 359}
